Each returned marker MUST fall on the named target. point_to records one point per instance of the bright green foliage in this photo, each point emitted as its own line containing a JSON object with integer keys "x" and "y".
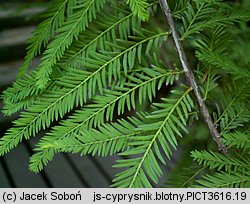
{"x": 69, "y": 30}
{"x": 238, "y": 139}
{"x": 103, "y": 108}
{"x": 54, "y": 19}
{"x": 139, "y": 8}
{"x": 110, "y": 139}
{"x": 215, "y": 160}
{"x": 163, "y": 128}
{"x": 109, "y": 83}
{"x": 224, "y": 180}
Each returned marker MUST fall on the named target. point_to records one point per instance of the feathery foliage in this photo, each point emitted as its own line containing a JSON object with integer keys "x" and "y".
{"x": 109, "y": 83}
{"x": 75, "y": 23}
{"x": 54, "y": 18}
{"x": 139, "y": 8}
{"x": 162, "y": 134}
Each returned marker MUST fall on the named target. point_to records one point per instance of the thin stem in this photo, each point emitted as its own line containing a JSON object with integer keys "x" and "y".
{"x": 190, "y": 77}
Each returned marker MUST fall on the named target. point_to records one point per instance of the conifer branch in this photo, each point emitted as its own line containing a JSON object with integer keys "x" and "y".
{"x": 190, "y": 77}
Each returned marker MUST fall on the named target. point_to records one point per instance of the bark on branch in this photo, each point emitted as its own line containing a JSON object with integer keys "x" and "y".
{"x": 190, "y": 77}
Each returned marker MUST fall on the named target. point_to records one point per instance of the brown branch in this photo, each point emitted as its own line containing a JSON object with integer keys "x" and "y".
{"x": 190, "y": 77}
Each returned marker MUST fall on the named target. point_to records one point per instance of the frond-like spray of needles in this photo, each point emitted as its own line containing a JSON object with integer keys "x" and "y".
{"x": 76, "y": 23}
{"x": 102, "y": 88}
